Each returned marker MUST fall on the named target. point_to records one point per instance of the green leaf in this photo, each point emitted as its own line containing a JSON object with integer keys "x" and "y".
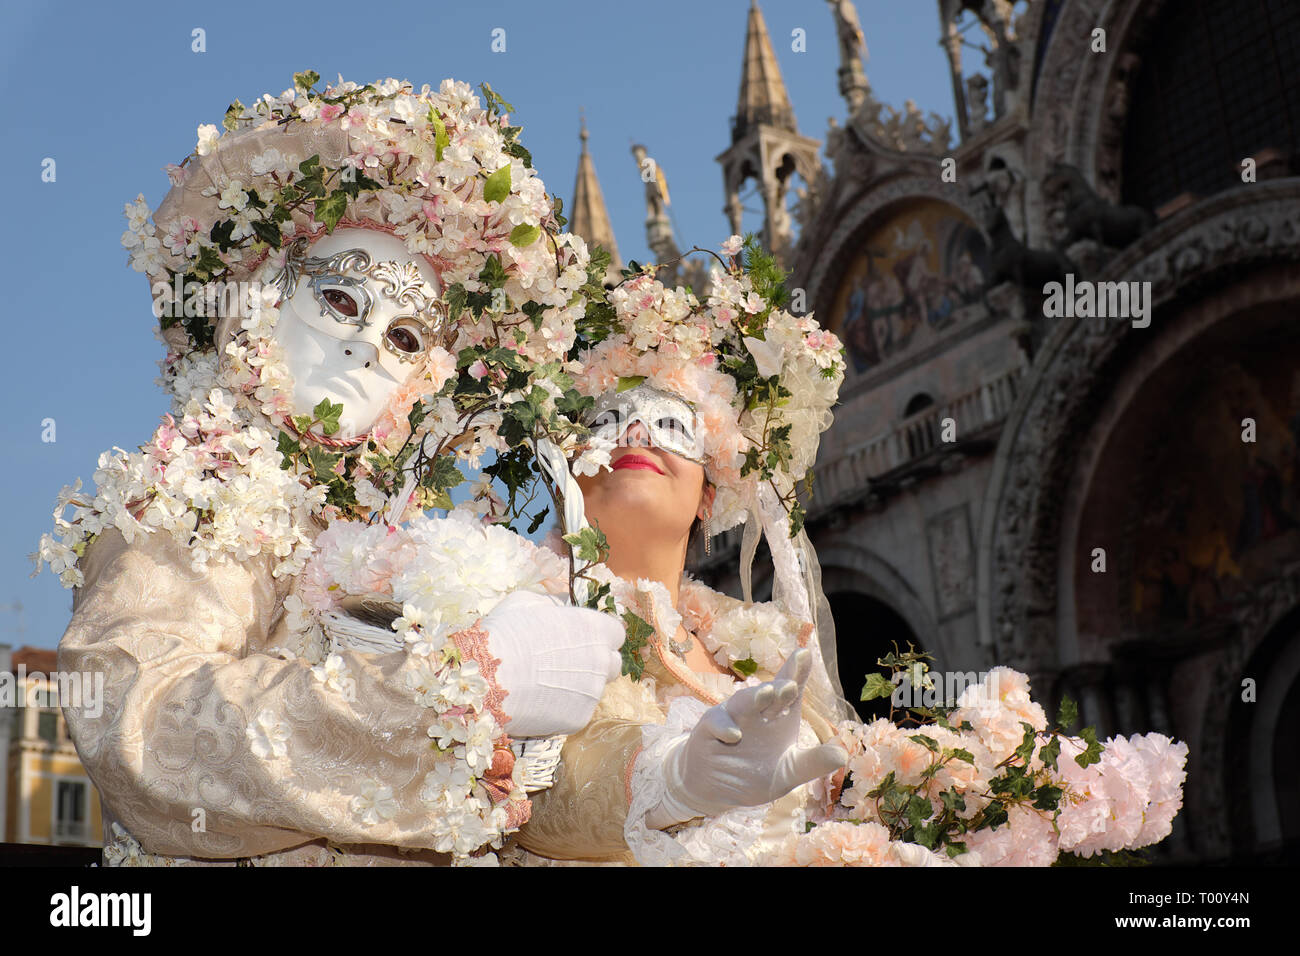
{"x": 516, "y": 149}
{"x": 538, "y": 519}
{"x": 524, "y": 235}
{"x": 746, "y": 667}
{"x": 638, "y": 634}
{"x": 1068, "y": 713}
{"x": 231, "y": 119}
{"x": 1026, "y": 748}
{"x": 1047, "y": 797}
{"x": 288, "y": 447}
{"x": 1093, "y": 752}
{"x": 1050, "y": 751}
{"x": 444, "y": 475}
{"x": 455, "y": 298}
{"x": 587, "y": 544}
{"x": 268, "y": 232}
{"x": 440, "y": 138}
{"x": 306, "y": 79}
{"x": 929, "y": 743}
{"x": 330, "y": 209}
{"x": 497, "y": 187}
{"x": 493, "y": 273}
{"x": 626, "y": 382}
{"x": 957, "y": 753}
{"x": 877, "y": 685}
{"x": 493, "y": 102}
{"x": 328, "y": 414}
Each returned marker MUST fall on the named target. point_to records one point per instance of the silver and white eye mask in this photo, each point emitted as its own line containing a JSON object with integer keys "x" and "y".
{"x": 669, "y": 420}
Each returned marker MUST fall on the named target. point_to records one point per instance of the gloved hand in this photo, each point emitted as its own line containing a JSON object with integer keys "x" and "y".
{"x": 742, "y": 752}
{"x": 555, "y": 661}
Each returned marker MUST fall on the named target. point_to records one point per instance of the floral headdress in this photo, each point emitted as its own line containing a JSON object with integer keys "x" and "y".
{"x": 434, "y": 168}
{"x": 762, "y": 382}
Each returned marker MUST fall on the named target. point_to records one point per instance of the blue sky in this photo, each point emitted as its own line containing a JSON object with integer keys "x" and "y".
{"x": 112, "y": 97}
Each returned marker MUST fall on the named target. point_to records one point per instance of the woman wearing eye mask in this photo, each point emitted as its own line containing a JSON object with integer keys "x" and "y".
{"x": 724, "y": 747}
{"x": 226, "y": 736}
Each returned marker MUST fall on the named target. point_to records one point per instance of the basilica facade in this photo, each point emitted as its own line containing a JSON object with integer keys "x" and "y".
{"x": 1068, "y": 440}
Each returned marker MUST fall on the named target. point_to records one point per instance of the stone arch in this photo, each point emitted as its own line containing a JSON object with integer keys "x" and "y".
{"x": 1017, "y": 567}
{"x": 848, "y": 566}
{"x": 1258, "y": 785}
{"x": 1077, "y": 103}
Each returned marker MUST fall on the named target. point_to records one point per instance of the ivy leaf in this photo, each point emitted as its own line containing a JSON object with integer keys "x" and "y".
{"x": 538, "y": 519}
{"x": 288, "y": 447}
{"x": 573, "y": 403}
{"x": 746, "y": 667}
{"x": 328, "y": 414}
{"x": 929, "y": 743}
{"x": 455, "y": 299}
{"x": 1068, "y": 714}
{"x": 1047, "y": 797}
{"x": 1026, "y": 748}
{"x": 306, "y": 79}
{"x": 524, "y": 235}
{"x": 516, "y": 149}
{"x": 877, "y": 685}
{"x": 626, "y": 382}
{"x": 231, "y": 119}
{"x": 322, "y": 462}
{"x": 444, "y": 475}
{"x": 1050, "y": 751}
{"x": 638, "y": 634}
{"x": 493, "y": 274}
{"x": 268, "y": 232}
{"x": 586, "y": 544}
{"x": 222, "y": 233}
{"x": 497, "y": 187}
{"x": 1093, "y": 752}
{"x": 330, "y": 209}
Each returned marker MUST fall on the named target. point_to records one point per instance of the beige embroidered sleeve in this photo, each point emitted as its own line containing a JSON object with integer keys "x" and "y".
{"x": 207, "y": 746}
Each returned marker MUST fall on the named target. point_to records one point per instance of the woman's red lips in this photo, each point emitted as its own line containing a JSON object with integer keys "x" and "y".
{"x": 636, "y": 461}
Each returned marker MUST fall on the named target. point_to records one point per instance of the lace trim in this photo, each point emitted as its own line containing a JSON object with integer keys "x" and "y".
{"x": 472, "y": 642}
{"x": 498, "y": 780}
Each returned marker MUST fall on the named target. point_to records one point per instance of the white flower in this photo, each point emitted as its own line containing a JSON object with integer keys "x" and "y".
{"x": 732, "y": 245}
{"x": 269, "y": 160}
{"x": 234, "y": 197}
{"x": 208, "y": 135}
{"x": 268, "y": 735}
{"x": 375, "y": 803}
{"x": 768, "y": 356}
{"x": 334, "y": 674}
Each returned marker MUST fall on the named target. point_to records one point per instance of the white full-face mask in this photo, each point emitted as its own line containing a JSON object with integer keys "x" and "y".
{"x": 358, "y": 316}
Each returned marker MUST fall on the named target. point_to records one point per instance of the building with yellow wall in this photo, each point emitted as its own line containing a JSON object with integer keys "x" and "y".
{"x": 48, "y": 798}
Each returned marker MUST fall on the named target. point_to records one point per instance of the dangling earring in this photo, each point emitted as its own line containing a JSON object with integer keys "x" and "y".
{"x": 708, "y": 534}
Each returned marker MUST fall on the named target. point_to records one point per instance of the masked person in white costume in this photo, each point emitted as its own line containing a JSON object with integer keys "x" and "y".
{"x": 228, "y": 734}
{"x": 725, "y": 746}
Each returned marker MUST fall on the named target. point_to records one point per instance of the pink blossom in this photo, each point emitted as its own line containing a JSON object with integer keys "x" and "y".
{"x": 477, "y": 370}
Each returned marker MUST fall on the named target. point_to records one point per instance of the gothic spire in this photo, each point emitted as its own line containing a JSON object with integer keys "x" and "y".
{"x": 763, "y": 98}
{"x": 587, "y": 216}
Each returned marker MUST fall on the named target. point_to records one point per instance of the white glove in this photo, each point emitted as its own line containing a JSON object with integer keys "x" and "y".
{"x": 742, "y": 752}
{"x": 555, "y": 661}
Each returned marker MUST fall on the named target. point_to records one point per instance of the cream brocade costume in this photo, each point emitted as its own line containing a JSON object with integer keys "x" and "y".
{"x": 595, "y": 811}
{"x": 190, "y": 666}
